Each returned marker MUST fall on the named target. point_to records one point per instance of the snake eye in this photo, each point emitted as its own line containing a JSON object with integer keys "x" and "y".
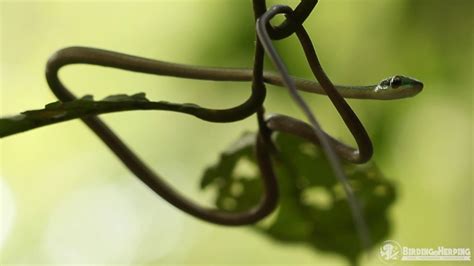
{"x": 395, "y": 82}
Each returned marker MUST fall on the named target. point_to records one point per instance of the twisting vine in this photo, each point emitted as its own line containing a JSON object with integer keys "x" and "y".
{"x": 349, "y": 117}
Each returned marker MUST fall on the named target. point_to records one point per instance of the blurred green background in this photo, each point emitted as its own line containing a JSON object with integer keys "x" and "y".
{"x": 66, "y": 199}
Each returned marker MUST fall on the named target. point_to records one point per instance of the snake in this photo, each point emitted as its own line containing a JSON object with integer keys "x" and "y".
{"x": 394, "y": 87}
{"x": 391, "y": 88}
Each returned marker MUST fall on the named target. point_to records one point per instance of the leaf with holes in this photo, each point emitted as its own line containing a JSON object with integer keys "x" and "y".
{"x": 312, "y": 208}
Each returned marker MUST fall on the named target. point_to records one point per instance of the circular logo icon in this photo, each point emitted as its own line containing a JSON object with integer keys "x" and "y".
{"x": 390, "y": 251}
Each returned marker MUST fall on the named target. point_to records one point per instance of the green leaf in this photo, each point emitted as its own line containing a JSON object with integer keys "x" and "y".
{"x": 86, "y": 106}
{"x": 312, "y": 208}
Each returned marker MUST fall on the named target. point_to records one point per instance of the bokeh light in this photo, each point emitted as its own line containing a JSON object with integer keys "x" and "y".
{"x": 8, "y": 210}
{"x": 109, "y": 224}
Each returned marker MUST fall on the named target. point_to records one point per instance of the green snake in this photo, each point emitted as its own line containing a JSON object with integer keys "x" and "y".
{"x": 394, "y": 87}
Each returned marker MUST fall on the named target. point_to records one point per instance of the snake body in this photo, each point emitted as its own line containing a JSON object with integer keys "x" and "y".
{"x": 388, "y": 89}
{"x": 394, "y": 87}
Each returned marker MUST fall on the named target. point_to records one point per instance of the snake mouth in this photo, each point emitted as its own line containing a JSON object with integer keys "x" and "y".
{"x": 417, "y": 86}
{"x": 411, "y": 87}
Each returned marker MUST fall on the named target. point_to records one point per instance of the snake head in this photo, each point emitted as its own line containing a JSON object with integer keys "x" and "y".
{"x": 399, "y": 87}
